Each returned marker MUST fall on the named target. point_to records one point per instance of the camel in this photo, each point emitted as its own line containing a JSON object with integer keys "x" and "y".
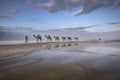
{"x": 63, "y": 38}
{"x": 69, "y": 38}
{"x": 48, "y": 37}
{"x": 38, "y": 37}
{"x": 76, "y": 38}
{"x": 56, "y": 38}
{"x": 99, "y": 39}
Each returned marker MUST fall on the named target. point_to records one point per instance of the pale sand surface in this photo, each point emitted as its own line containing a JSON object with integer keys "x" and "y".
{"x": 60, "y": 61}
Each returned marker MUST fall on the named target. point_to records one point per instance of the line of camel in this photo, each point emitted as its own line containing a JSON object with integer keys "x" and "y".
{"x": 38, "y": 37}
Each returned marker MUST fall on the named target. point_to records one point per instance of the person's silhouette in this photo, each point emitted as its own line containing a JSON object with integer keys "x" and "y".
{"x": 26, "y": 40}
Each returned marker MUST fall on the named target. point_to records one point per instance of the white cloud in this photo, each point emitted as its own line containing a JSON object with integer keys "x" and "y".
{"x": 77, "y": 12}
{"x": 103, "y": 28}
{"x": 114, "y": 23}
{"x": 87, "y": 5}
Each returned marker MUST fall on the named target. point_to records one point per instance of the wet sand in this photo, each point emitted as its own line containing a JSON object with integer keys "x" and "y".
{"x": 61, "y": 61}
{"x": 16, "y": 50}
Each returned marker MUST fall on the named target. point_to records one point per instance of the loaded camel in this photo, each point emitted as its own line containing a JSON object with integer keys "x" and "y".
{"x": 69, "y": 38}
{"x": 63, "y": 38}
{"x": 76, "y": 38}
{"x": 48, "y": 37}
{"x": 38, "y": 37}
{"x": 56, "y": 38}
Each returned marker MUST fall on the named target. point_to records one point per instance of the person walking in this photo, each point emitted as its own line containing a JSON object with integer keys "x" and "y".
{"x": 26, "y": 40}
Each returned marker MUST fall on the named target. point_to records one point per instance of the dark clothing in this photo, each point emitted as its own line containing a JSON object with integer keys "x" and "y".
{"x": 26, "y": 39}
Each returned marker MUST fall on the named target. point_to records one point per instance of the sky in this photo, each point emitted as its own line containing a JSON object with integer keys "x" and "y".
{"x": 87, "y": 19}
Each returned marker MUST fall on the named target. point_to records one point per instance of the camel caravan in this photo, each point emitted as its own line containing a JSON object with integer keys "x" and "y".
{"x": 48, "y": 38}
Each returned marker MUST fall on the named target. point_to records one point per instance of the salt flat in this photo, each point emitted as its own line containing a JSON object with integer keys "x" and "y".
{"x": 61, "y": 61}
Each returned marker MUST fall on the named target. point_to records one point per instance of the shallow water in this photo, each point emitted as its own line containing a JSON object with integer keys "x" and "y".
{"x": 68, "y": 61}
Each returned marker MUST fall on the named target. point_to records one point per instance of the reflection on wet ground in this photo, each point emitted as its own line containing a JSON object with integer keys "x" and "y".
{"x": 60, "y": 45}
{"x": 16, "y": 50}
{"x": 66, "y": 61}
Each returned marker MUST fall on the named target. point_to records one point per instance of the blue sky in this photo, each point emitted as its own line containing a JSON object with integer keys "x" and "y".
{"x": 103, "y": 16}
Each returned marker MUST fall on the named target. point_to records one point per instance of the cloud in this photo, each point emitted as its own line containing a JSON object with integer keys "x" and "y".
{"x": 15, "y": 29}
{"x": 86, "y": 6}
{"x": 34, "y": 19}
{"x": 75, "y": 29}
{"x": 14, "y": 33}
{"x": 82, "y": 34}
{"x": 4, "y": 16}
{"x": 77, "y": 12}
{"x": 29, "y": 1}
{"x": 114, "y": 23}
{"x": 13, "y": 10}
{"x": 18, "y": 33}
{"x": 6, "y": 34}
{"x": 91, "y": 26}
